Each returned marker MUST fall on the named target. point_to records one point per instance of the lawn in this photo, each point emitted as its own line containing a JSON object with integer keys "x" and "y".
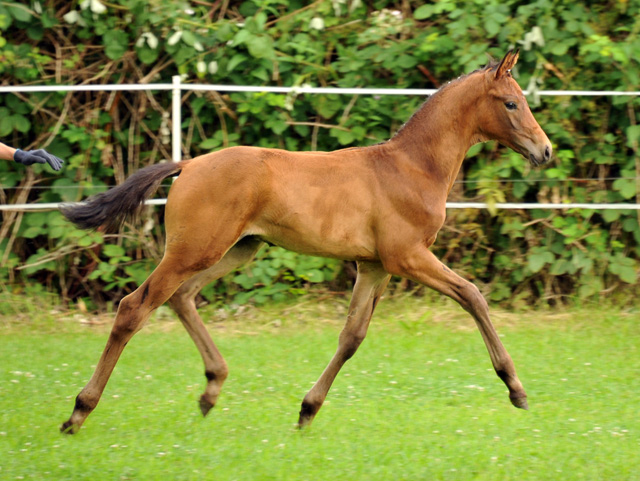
{"x": 418, "y": 401}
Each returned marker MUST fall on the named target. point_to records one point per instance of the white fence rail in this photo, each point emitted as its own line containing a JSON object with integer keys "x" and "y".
{"x": 177, "y": 87}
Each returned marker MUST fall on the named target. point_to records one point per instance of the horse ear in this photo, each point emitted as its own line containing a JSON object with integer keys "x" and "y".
{"x": 507, "y": 63}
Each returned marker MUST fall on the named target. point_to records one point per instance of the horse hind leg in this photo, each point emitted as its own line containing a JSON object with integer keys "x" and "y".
{"x": 183, "y": 303}
{"x": 370, "y": 284}
{"x": 132, "y": 313}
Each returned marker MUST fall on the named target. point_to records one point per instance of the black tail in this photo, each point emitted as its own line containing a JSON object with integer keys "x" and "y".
{"x": 112, "y": 208}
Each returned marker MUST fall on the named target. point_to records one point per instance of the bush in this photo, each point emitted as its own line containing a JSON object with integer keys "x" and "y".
{"x": 104, "y": 136}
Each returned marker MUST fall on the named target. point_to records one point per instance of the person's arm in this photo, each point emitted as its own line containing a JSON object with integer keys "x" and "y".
{"x": 28, "y": 157}
{"x": 6, "y": 152}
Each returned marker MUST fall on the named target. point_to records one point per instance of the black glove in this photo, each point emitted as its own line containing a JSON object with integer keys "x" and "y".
{"x": 39, "y": 156}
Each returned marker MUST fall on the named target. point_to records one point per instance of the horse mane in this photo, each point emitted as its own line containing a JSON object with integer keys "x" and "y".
{"x": 492, "y": 65}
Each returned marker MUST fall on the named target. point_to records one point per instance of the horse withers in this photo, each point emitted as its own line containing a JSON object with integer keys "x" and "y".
{"x": 380, "y": 206}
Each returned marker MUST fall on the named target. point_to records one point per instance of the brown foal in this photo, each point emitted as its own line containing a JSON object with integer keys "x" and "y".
{"x": 381, "y": 206}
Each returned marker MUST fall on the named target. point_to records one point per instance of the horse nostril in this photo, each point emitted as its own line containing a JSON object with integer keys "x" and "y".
{"x": 547, "y": 153}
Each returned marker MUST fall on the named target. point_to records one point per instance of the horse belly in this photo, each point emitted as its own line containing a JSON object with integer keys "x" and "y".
{"x": 339, "y": 235}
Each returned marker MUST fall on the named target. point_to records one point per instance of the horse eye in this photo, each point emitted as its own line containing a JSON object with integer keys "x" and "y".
{"x": 511, "y": 105}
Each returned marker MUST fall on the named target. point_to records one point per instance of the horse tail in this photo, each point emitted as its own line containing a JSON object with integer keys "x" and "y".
{"x": 112, "y": 208}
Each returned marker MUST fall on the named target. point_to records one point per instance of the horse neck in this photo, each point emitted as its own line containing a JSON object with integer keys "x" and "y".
{"x": 441, "y": 132}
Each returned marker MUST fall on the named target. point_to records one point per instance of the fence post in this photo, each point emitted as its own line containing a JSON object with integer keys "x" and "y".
{"x": 176, "y": 119}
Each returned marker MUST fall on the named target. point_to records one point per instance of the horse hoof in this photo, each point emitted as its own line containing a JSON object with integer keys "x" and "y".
{"x": 304, "y": 422}
{"x": 69, "y": 428}
{"x": 205, "y": 406}
{"x": 520, "y": 402}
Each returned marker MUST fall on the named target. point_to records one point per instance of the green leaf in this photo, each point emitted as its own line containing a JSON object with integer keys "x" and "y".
{"x": 536, "y": 261}
{"x": 345, "y": 137}
{"x": 424, "y": 11}
{"x": 626, "y": 187}
{"x": 6, "y": 126}
{"x": 314, "y": 275}
{"x": 19, "y": 12}
{"x": 209, "y": 144}
{"x": 147, "y": 55}
{"x": 189, "y": 38}
{"x": 116, "y": 43}
{"x": 625, "y": 268}
{"x": 113, "y": 250}
{"x": 33, "y": 232}
{"x": 633, "y": 136}
{"x": 260, "y": 46}
{"x": 21, "y": 123}
{"x": 235, "y": 61}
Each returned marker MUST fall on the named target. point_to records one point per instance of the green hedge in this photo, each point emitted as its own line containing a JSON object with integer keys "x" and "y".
{"x": 529, "y": 256}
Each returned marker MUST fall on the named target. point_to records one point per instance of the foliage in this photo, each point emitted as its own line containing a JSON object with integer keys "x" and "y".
{"x": 527, "y": 255}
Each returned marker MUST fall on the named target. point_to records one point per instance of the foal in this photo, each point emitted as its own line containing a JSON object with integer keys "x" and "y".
{"x": 381, "y": 206}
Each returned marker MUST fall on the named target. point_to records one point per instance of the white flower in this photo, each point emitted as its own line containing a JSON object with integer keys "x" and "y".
{"x": 317, "y": 23}
{"x": 198, "y": 46}
{"x": 213, "y": 67}
{"x": 149, "y": 38}
{"x": 37, "y": 7}
{"x": 175, "y": 38}
{"x": 201, "y": 66}
{"x": 152, "y": 40}
{"x": 354, "y": 4}
{"x": 97, "y": 7}
{"x": 71, "y": 17}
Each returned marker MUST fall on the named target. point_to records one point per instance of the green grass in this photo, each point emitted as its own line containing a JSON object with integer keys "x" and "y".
{"x": 418, "y": 401}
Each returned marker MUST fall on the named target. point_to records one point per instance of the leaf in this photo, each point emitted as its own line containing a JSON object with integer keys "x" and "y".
{"x": 260, "y": 46}
{"x": 424, "y": 11}
{"x": 633, "y": 136}
{"x": 209, "y": 144}
{"x": 6, "y": 126}
{"x": 235, "y": 61}
{"x": 188, "y": 37}
{"x": 314, "y": 275}
{"x": 626, "y": 187}
{"x": 21, "y": 123}
{"x": 116, "y": 44}
{"x": 537, "y": 261}
{"x": 345, "y": 137}
{"x": 147, "y": 55}
{"x": 625, "y": 268}
{"x": 113, "y": 250}
{"x": 19, "y": 12}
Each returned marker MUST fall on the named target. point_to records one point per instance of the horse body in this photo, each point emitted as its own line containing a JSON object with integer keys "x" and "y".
{"x": 381, "y": 206}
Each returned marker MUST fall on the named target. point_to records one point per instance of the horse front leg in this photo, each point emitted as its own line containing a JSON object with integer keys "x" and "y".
{"x": 422, "y": 266}
{"x": 371, "y": 281}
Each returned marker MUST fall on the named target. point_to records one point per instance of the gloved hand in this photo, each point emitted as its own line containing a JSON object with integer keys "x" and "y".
{"x": 39, "y": 156}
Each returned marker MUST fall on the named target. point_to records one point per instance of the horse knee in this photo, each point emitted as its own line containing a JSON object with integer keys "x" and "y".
{"x": 181, "y": 301}
{"x": 350, "y": 342}
{"x": 471, "y": 298}
{"x": 128, "y": 318}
